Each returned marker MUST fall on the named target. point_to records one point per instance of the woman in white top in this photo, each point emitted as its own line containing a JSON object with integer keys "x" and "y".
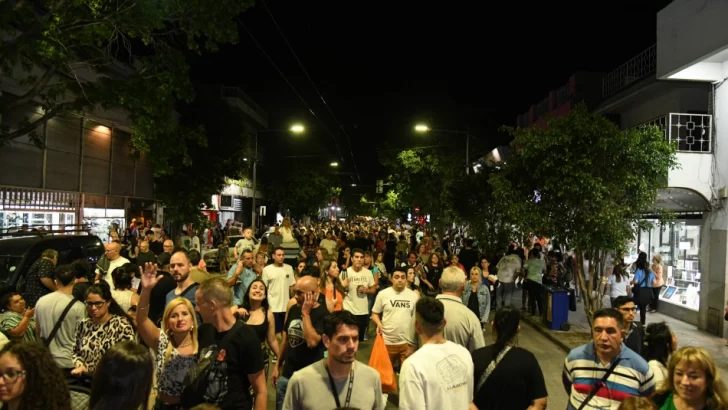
{"x": 658, "y": 282}
{"x": 123, "y": 293}
{"x": 287, "y": 231}
{"x": 659, "y": 343}
{"x": 618, "y": 284}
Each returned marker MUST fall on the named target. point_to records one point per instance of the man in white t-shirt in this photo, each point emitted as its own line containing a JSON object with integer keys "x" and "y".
{"x": 329, "y": 243}
{"x": 112, "y": 260}
{"x": 360, "y": 283}
{"x": 392, "y": 313}
{"x": 439, "y": 376}
{"x": 279, "y": 280}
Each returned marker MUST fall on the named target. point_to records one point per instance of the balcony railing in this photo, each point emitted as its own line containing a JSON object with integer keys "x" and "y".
{"x": 692, "y": 132}
{"x": 639, "y": 67}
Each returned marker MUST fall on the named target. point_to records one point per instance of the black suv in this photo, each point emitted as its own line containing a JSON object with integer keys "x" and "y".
{"x": 17, "y": 254}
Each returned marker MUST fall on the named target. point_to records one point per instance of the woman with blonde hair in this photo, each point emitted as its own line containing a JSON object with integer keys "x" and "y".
{"x": 658, "y": 282}
{"x": 693, "y": 382}
{"x": 176, "y": 345}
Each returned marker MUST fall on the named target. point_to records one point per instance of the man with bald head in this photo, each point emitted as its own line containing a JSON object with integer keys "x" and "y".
{"x": 111, "y": 260}
{"x": 301, "y": 345}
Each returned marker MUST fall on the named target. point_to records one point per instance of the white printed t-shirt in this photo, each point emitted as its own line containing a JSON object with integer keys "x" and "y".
{"x": 437, "y": 377}
{"x": 278, "y": 281}
{"x": 355, "y": 302}
{"x": 396, "y": 310}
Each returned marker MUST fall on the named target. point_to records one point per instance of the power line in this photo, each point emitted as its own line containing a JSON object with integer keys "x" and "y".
{"x": 303, "y": 100}
{"x": 300, "y": 64}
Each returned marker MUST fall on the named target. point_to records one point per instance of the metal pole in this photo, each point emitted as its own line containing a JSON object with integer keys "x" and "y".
{"x": 255, "y": 181}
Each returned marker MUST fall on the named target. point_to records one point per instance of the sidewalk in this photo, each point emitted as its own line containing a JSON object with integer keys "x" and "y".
{"x": 580, "y": 333}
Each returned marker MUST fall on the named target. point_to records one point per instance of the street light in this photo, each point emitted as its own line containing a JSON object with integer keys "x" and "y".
{"x": 422, "y": 128}
{"x": 296, "y": 129}
{"x": 334, "y": 164}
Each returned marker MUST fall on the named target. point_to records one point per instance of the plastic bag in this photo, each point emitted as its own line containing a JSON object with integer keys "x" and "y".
{"x": 379, "y": 360}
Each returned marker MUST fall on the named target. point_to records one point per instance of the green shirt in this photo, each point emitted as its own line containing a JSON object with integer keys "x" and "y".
{"x": 669, "y": 404}
{"x": 10, "y": 320}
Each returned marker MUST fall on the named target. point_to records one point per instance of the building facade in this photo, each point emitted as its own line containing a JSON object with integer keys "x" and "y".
{"x": 581, "y": 87}
{"x": 692, "y": 45}
{"x": 85, "y": 173}
{"x": 633, "y": 96}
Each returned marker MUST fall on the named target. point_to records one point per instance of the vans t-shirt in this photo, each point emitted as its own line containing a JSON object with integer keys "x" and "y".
{"x": 396, "y": 310}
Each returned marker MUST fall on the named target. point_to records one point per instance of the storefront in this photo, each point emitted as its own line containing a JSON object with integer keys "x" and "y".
{"x": 46, "y": 210}
{"x": 678, "y": 242}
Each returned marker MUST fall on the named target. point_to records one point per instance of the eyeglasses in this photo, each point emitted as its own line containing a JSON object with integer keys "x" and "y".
{"x": 634, "y": 309}
{"x": 95, "y": 304}
{"x": 11, "y": 376}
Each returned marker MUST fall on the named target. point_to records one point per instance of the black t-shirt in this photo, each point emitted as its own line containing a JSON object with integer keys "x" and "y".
{"x": 158, "y": 296}
{"x": 243, "y": 356}
{"x": 298, "y": 355}
{"x": 514, "y": 384}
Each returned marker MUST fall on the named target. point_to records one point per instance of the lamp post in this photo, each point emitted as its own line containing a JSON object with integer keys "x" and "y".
{"x": 296, "y": 129}
{"x": 422, "y": 128}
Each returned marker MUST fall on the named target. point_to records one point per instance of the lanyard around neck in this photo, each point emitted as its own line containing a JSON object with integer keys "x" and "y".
{"x": 336, "y": 392}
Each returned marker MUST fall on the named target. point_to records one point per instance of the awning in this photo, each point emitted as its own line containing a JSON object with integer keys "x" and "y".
{"x": 681, "y": 200}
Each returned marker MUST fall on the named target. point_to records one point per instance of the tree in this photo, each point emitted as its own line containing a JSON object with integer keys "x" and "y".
{"x": 586, "y": 182}
{"x": 298, "y": 189}
{"x": 424, "y": 178}
{"x": 472, "y": 205}
{"x": 213, "y": 161}
{"x": 75, "y": 56}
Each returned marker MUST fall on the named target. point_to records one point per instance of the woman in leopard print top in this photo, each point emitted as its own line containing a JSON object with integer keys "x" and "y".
{"x": 106, "y": 326}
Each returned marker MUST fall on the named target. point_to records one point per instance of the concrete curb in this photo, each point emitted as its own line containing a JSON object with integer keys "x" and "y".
{"x": 536, "y": 324}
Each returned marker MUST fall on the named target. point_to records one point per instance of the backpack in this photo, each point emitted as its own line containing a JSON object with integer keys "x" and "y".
{"x": 207, "y": 382}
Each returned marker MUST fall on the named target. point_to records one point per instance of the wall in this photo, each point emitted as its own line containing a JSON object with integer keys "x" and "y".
{"x": 663, "y": 99}
{"x": 688, "y": 31}
{"x": 79, "y": 155}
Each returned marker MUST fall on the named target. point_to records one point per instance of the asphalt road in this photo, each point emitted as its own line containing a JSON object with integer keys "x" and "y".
{"x": 550, "y": 357}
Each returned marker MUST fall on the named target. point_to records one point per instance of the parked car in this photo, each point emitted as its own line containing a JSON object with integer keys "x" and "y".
{"x": 17, "y": 254}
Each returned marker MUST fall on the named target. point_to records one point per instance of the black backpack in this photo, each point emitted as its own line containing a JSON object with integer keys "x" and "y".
{"x": 207, "y": 382}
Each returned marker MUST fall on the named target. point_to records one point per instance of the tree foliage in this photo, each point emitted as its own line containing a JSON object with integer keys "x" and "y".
{"x": 425, "y": 179}
{"x": 297, "y": 189}
{"x": 584, "y": 181}
{"x": 86, "y": 55}
{"x": 214, "y": 160}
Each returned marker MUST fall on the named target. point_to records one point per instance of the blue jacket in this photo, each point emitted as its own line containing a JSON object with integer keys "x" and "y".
{"x": 483, "y": 299}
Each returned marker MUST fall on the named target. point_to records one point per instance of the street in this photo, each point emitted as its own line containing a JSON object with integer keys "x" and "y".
{"x": 549, "y": 356}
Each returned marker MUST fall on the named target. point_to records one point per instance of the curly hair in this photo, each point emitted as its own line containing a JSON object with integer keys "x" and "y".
{"x": 45, "y": 386}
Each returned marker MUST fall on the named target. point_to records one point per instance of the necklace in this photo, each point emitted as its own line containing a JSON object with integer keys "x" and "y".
{"x": 189, "y": 342}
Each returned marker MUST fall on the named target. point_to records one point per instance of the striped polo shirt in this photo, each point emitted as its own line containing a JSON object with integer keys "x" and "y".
{"x": 583, "y": 370}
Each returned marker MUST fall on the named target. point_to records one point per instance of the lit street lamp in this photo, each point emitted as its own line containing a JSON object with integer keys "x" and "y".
{"x": 296, "y": 129}
{"x": 334, "y": 164}
{"x": 422, "y": 128}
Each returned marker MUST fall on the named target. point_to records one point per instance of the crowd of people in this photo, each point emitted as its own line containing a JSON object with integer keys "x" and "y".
{"x": 151, "y": 329}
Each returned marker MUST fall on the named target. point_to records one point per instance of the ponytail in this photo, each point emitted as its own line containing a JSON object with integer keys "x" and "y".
{"x": 506, "y": 324}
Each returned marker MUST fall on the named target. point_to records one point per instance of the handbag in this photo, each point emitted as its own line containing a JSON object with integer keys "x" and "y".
{"x": 47, "y": 341}
{"x": 486, "y": 374}
{"x": 643, "y": 294}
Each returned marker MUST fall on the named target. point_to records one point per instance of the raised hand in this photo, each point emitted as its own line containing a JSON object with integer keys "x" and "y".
{"x": 149, "y": 275}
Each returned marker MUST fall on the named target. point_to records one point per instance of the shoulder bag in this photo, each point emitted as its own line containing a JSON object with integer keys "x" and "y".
{"x": 486, "y": 374}
{"x": 47, "y": 341}
{"x": 596, "y": 387}
{"x": 643, "y": 294}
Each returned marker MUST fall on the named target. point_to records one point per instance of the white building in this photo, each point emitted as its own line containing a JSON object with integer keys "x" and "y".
{"x": 692, "y": 45}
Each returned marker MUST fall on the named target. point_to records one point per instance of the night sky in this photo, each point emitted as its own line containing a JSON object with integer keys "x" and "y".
{"x": 381, "y": 67}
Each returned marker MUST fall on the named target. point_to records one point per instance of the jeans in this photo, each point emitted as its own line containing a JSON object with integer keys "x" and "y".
{"x": 655, "y": 297}
{"x": 281, "y": 387}
{"x": 505, "y": 293}
{"x": 363, "y": 322}
{"x": 535, "y": 296}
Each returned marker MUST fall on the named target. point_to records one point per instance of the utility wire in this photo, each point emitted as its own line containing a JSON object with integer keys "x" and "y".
{"x": 300, "y": 64}
{"x": 293, "y": 88}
